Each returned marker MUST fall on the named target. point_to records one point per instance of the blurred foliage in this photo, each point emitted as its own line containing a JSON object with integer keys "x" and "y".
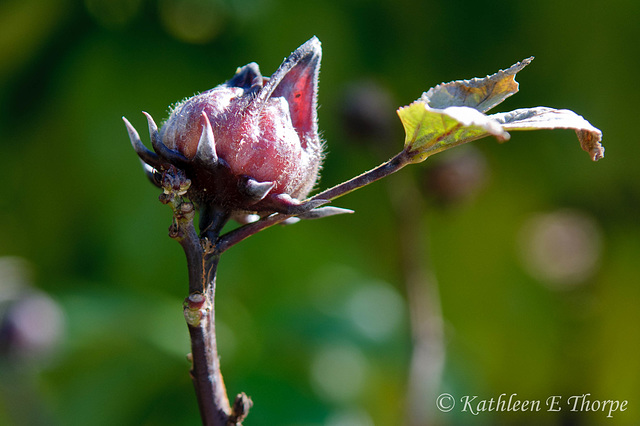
{"x": 300, "y": 307}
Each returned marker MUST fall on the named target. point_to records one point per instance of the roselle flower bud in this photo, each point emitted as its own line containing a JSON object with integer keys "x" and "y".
{"x": 250, "y": 145}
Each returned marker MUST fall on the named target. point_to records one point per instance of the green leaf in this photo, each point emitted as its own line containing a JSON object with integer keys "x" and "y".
{"x": 549, "y": 118}
{"x": 430, "y": 130}
{"x": 452, "y": 113}
{"x": 479, "y": 93}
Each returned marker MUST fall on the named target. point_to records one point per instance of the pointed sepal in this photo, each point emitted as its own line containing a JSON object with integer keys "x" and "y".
{"x": 296, "y": 80}
{"x": 146, "y": 155}
{"x": 323, "y": 212}
{"x": 317, "y": 213}
{"x": 253, "y": 189}
{"x": 206, "y": 152}
{"x": 284, "y": 203}
{"x": 174, "y": 157}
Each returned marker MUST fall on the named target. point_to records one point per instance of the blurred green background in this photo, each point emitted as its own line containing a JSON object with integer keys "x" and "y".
{"x": 534, "y": 248}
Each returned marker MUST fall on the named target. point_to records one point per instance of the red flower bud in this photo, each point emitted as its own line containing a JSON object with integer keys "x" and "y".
{"x": 250, "y": 144}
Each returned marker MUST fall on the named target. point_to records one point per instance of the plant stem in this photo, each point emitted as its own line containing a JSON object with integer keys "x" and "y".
{"x": 385, "y": 169}
{"x": 205, "y": 372}
{"x": 199, "y": 307}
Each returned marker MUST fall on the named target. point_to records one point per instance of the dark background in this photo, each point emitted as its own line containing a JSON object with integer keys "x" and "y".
{"x": 314, "y": 319}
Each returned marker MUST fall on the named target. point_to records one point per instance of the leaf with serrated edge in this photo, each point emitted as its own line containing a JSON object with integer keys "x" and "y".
{"x": 479, "y": 93}
{"x": 430, "y": 130}
{"x": 550, "y": 118}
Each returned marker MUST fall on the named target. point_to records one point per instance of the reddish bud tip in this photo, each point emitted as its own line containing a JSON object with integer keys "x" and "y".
{"x": 250, "y": 137}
